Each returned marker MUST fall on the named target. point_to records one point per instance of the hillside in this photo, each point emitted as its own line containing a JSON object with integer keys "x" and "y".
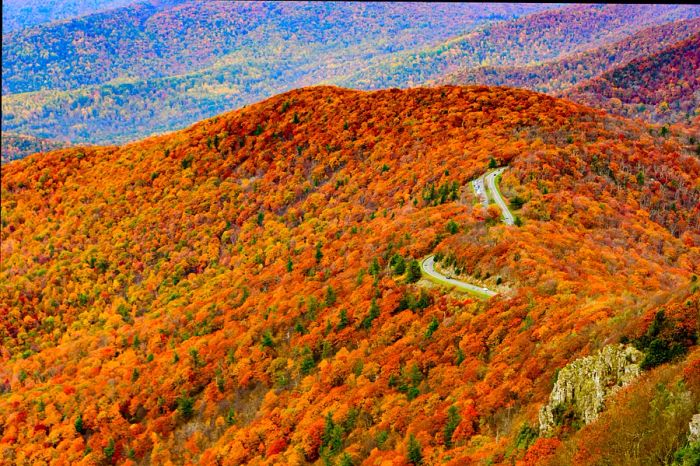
{"x": 225, "y": 293}
{"x": 663, "y": 87}
{"x": 17, "y": 146}
{"x": 71, "y": 80}
{"x": 21, "y": 14}
{"x": 557, "y": 76}
{"x": 174, "y": 37}
{"x": 532, "y": 39}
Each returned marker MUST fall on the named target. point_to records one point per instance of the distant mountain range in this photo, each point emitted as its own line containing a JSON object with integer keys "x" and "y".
{"x": 152, "y": 67}
{"x": 158, "y": 66}
{"x": 663, "y": 87}
{"x": 22, "y": 14}
{"x": 532, "y": 39}
{"x": 666, "y": 50}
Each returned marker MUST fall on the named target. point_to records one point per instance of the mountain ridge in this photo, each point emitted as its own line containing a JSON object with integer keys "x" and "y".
{"x": 538, "y": 78}
{"x": 668, "y": 81}
{"x": 134, "y": 105}
{"x": 594, "y": 25}
{"x": 229, "y": 291}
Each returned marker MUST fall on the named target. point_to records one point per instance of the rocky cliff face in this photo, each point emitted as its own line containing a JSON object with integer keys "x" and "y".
{"x": 583, "y": 385}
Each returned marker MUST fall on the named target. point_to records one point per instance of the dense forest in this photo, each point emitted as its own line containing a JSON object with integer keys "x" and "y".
{"x": 21, "y": 14}
{"x": 557, "y": 76}
{"x": 230, "y": 293}
{"x": 663, "y": 87}
{"x": 532, "y": 39}
{"x": 69, "y": 80}
{"x": 174, "y": 37}
{"x": 17, "y": 146}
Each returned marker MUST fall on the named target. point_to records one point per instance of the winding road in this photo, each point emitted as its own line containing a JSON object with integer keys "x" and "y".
{"x": 482, "y": 186}
{"x": 491, "y": 181}
{"x": 428, "y": 267}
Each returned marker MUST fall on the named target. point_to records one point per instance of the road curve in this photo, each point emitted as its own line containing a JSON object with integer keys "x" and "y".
{"x": 428, "y": 267}
{"x": 480, "y": 190}
{"x": 491, "y": 181}
{"x": 480, "y": 185}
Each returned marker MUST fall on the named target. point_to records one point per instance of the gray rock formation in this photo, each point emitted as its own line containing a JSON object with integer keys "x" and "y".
{"x": 694, "y": 429}
{"x": 583, "y": 384}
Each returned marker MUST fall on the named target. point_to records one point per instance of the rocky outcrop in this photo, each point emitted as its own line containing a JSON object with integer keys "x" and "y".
{"x": 583, "y": 385}
{"x": 694, "y": 429}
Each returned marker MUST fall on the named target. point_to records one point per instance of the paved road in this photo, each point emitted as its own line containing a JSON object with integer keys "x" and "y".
{"x": 428, "y": 266}
{"x": 491, "y": 182}
{"x": 480, "y": 190}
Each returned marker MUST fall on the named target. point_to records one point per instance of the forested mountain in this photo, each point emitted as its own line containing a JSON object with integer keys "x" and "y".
{"x": 555, "y": 77}
{"x": 157, "y": 66}
{"x": 663, "y": 87}
{"x": 535, "y": 38}
{"x": 499, "y": 273}
{"x": 72, "y": 81}
{"x": 21, "y": 14}
{"x": 16, "y": 146}
{"x": 229, "y": 293}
